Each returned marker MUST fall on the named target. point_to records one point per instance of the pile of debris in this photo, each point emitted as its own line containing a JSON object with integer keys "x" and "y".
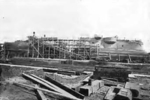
{"x": 48, "y": 86}
{"x": 129, "y": 91}
{"x": 54, "y": 84}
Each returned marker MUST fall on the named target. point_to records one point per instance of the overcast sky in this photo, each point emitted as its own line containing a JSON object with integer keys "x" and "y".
{"x": 128, "y": 19}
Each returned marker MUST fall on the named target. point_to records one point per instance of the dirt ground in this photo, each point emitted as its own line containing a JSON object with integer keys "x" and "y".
{"x": 8, "y": 91}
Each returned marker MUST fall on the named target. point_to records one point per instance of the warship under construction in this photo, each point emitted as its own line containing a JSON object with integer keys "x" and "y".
{"x": 83, "y": 48}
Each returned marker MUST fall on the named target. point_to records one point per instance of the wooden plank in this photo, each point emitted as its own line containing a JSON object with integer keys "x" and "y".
{"x": 48, "y": 85}
{"x": 70, "y": 91}
{"x": 57, "y": 88}
{"x": 40, "y": 94}
{"x": 45, "y": 90}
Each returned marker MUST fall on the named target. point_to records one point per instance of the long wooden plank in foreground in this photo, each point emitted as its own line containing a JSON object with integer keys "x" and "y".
{"x": 48, "y": 85}
{"x": 44, "y": 90}
{"x": 44, "y": 83}
{"x": 72, "y": 92}
{"x": 60, "y": 88}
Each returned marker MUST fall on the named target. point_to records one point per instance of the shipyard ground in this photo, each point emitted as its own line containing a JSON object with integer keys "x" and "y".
{"x": 8, "y": 91}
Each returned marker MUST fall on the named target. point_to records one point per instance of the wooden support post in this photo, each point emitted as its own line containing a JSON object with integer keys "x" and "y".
{"x": 84, "y": 52}
{"x": 130, "y": 60}
{"x": 97, "y": 51}
{"x": 64, "y": 54}
{"x": 78, "y": 47}
{"x": 90, "y": 52}
{"x": 109, "y": 56}
{"x": 59, "y": 50}
{"x": 28, "y": 50}
{"x": 49, "y": 52}
{"x": 54, "y": 48}
{"x": 43, "y": 46}
{"x": 118, "y": 57}
{"x": 69, "y": 50}
{"x": 57, "y": 55}
{"x": 33, "y": 44}
{"x": 38, "y": 48}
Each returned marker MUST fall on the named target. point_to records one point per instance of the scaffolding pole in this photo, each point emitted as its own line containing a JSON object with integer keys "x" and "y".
{"x": 38, "y": 49}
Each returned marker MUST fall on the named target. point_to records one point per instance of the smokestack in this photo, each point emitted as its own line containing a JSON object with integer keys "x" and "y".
{"x": 33, "y": 33}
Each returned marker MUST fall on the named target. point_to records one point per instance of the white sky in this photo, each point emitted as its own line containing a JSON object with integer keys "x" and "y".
{"x": 74, "y": 18}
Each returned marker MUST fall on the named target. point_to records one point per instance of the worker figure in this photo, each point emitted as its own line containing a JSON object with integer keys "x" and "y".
{"x": 90, "y": 82}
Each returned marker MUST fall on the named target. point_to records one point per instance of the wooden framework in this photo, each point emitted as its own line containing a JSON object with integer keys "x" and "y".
{"x": 76, "y": 49}
{"x": 73, "y": 49}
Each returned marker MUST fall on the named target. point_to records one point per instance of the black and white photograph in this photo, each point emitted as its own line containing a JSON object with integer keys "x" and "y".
{"x": 74, "y": 49}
